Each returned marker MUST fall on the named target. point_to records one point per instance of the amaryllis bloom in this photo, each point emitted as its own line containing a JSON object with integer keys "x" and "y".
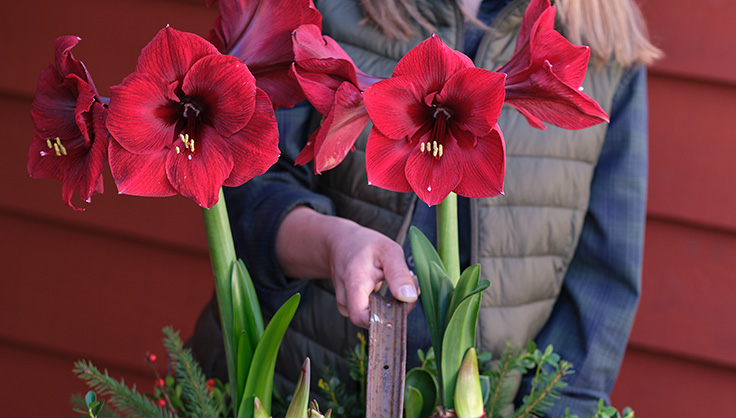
{"x": 259, "y": 33}
{"x": 546, "y": 72}
{"x": 334, "y": 86}
{"x": 70, "y": 138}
{"x": 188, "y": 120}
{"x": 434, "y": 126}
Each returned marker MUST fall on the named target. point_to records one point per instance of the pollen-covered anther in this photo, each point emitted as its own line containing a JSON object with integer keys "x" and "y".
{"x": 58, "y": 148}
{"x": 188, "y": 142}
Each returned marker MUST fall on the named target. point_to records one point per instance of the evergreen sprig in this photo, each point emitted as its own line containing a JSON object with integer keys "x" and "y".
{"x": 503, "y": 377}
{"x": 126, "y": 400}
{"x": 189, "y": 374}
{"x": 548, "y": 379}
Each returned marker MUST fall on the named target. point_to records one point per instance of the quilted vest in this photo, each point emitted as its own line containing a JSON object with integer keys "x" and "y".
{"x": 523, "y": 240}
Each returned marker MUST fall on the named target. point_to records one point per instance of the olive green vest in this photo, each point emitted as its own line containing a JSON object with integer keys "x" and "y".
{"x": 523, "y": 240}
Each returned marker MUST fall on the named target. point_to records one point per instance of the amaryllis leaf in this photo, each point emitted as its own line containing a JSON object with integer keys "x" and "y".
{"x": 243, "y": 360}
{"x": 467, "y": 285}
{"x": 459, "y": 337}
{"x": 423, "y": 381}
{"x": 413, "y": 402}
{"x": 260, "y": 377}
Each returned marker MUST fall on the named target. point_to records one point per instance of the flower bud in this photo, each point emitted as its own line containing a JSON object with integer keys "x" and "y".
{"x": 300, "y": 401}
{"x": 468, "y": 395}
{"x": 258, "y": 410}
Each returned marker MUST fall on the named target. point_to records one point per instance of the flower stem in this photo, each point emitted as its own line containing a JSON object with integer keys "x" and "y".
{"x": 447, "y": 237}
{"x": 222, "y": 258}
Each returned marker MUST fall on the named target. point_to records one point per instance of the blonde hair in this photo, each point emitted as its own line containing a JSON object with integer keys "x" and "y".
{"x": 613, "y": 29}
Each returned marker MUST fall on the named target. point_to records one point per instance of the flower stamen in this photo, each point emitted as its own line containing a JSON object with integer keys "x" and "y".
{"x": 188, "y": 142}
{"x": 434, "y": 147}
{"x": 58, "y": 148}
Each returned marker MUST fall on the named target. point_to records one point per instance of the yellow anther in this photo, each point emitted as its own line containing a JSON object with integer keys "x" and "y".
{"x": 58, "y": 151}
{"x": 48, "y": 142}
{"x": 178, "y": 150}
{"x": 62, "y": 148}
{"x": 421, "y": 147}
{"x": 440, "y": 150}
{"x": 435, "y": 149}
{"x": 191, "y": 145}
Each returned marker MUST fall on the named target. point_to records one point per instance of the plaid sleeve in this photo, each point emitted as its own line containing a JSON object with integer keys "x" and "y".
{"x": 592, "y": 319}
{"x": 257, "y": 208}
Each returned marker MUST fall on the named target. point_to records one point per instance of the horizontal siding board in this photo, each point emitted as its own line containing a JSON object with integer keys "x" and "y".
{"x": 687, "y": 304}
{"x": 692, "y": 151}
{"x": 658, "y": 386}
{"x": 173, "y": 221}
{"x": 113, "y": 33}
{"x": 79, "y": 292}
{"x": 697, "y": 38}
{"x": 40, "y": 383}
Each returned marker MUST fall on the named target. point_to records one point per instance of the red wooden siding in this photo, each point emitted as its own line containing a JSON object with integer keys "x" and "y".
{"x": 101, "y": 284}
{"x": 682, "y": 354}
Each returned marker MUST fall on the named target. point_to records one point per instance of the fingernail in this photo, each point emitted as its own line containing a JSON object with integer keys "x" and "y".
{"x": 408, "y": 292}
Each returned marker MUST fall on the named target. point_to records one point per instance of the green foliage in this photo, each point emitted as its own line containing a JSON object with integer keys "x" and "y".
{"x": 194, "y": 388}
{"x": 343, "y": 402}
{"x": 91, "y": 407}
{"x": 606, "y": 412}
{"x": 548, "y": 379}
{"x": 127, "y": 401}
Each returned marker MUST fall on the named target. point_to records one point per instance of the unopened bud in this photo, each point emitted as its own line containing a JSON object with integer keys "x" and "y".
{"x": 300, "y": 401}
{"x": 468, "y": 395}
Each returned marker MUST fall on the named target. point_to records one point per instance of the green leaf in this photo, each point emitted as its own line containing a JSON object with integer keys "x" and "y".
{"x": 90, "y": 397}
{"x": 246, "y": 310}
{"x": 260, "y": 377}
{"x": 244, "y": 359}
{"x": 459, "y": 338}
{"x": 413, "y": 402}
{"x": 423, "y": 381}
{"x": 467, "y": 286}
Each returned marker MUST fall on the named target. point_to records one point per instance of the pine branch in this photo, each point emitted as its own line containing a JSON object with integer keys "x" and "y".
{"x": 539, "y": 401}
{"x": 503, "y": 381}
{"x": 126, "y": 400}
{"x": 190, "y": 376}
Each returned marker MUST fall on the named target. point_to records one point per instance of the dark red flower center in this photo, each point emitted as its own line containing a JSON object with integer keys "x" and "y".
{"x": 186, "y": 132}
{"x": 438, "y": 131}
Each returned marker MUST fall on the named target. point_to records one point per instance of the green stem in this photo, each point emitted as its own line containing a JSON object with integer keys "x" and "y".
{"x": 222, "y": 258}
{"x": 447, "y": 237}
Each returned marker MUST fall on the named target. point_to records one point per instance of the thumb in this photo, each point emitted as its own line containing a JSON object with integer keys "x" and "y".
{"x": 401, "y": 282}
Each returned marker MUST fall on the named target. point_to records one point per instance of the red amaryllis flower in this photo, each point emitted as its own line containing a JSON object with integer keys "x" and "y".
{"x": 546, "y": 72}
{"x": 189, "y": 120}
{"x": 334, "y": 86}
{"x": 259, "y": 33}
{"x": 70, "y": 138}
{"x": 435, "y": 126}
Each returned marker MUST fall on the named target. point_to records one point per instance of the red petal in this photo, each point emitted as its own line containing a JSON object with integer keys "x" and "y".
{"x": 140, "y": 174}
{"x": 259, "y": 31}
{"x": 280, "y": 86}
{"x": 318, "y": 88}
{"x": 200, "y": 175}
{"x": 533, "y": 11}
{"x": 343, "y": 126}
{"x": 569, "y": 62}
{"x": 307, "y": 153}
{"x": 430, "y": 64}
{"x": 544, "y": 97}
{"x": 225, "y": 88}
{"x": 309, "y": 43}
{"x": 141, "y": 114}
{"x": 476, "y": 98}
{"x": 484, "y": 166}
{"x": 256, "y": 147}
{"x": 57, "y": 108}
{"x": 385, "y": 161}
{"x": 432, "y": 179}
{"x": 396, "y": 106}
{"x": 171, "y": 53}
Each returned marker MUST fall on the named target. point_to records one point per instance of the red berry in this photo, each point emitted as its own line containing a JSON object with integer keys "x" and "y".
{"x": 210, "y": 384}
{"x": 152, "y": 358}
{"x": 161, "y": 402}
{"x": 160, "y": 382}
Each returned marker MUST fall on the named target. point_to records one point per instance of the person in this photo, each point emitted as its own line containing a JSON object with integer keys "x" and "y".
{"x": 562, "y": 248}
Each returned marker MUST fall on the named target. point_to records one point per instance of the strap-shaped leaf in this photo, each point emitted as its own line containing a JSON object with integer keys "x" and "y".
{"x": 422, "y": 381}
{"x": 413, "y": 402}
{"x": 246, "y": 309}
{"x": 244, "y": 359}
{"x": 459, "y": 338}
{"x": 468, "y": 285}
{"x": 260, "y": 377}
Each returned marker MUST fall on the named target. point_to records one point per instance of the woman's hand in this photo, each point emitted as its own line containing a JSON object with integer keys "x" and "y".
{"x": 357, "y": 259}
